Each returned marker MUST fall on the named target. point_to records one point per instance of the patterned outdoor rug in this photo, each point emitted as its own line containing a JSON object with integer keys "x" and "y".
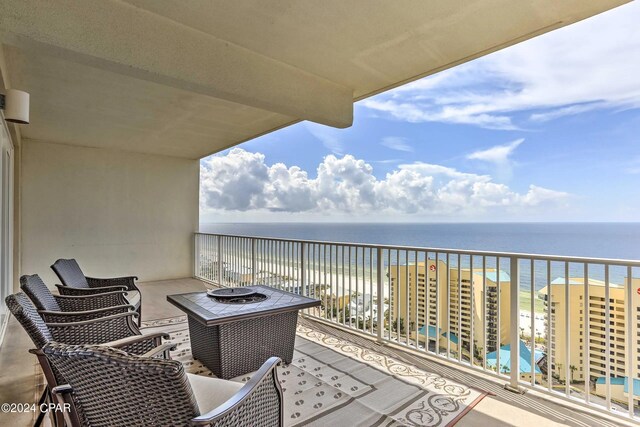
{"x": 334, "y": 382}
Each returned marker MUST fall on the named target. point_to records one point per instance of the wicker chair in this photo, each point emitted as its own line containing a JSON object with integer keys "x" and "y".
{"x": 117, "y": 331}
{"x": 70, "y": 308}
{"x": 74, "y": 282}
{"x": 158, "y": 392}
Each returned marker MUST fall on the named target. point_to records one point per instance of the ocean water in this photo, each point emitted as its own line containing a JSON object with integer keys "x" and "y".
{"x": 596, "y": 240}
{"x": 593, "y": 240}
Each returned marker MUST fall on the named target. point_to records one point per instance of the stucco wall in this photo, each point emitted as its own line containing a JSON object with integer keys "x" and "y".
{"x": 118, "y": 213}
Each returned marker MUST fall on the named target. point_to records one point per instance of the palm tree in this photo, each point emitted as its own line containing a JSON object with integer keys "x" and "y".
{"x": 505, "y": 369}
{"x": 573, "y": 369}
{"x": 344, "y": 315}
{"x": 559, "y": 365}
{"x": 477, "y": 350}
{"x": 394, "y": 326}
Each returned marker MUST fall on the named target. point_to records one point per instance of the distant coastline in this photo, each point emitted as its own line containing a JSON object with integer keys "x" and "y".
{"x": 593, "y": 239}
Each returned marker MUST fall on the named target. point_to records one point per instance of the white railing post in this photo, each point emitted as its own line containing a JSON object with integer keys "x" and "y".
{"x": 220, "y": 281}
{"x": 196, "y": 255}
{"x": 514, "y": 322}
{"x": 254, "y": 263}
{"x": 380, "y": 294}
{"x": 303, "y": 269}
{"x": 629, "y": 316}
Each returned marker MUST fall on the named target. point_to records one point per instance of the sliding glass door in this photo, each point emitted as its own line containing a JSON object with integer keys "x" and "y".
{"x": 6, "y": 221}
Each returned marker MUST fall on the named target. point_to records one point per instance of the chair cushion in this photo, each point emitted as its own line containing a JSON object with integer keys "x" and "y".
{"x": 41, "y": 296}
{"x": 70, "y": 273}
{"x": 27, "y": 314}
{"x": 134, "y": 298}
{"x": 212, "y": 392}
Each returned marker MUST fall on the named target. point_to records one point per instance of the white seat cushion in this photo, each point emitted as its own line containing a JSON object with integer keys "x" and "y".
{"x": 212, "y": 392}
{"x": 134, "y": 298}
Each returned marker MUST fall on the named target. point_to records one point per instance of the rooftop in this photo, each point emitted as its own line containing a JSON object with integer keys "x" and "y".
{"x": 580, "y": 281}
{"x": 624, "y": 381}
{"x": 432, "y": 333}
{"x": 491, "y": 275}
{"x": 636, "y": 386}
{"x": 505, "y": 359}
{"x": 612, "y": 380}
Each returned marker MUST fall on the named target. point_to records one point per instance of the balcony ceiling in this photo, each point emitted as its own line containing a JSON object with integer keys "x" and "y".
{"x": 190, "y": 79}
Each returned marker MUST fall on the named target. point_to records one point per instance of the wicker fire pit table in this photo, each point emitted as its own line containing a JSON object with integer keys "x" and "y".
{"x": 234, "y": 334}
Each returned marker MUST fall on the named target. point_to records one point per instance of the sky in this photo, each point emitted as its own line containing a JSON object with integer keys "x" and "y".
{"x": 546, "y": 130}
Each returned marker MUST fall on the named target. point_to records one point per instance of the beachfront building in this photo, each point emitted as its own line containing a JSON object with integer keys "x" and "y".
{"x": 594, "y": 341}
{"x": 453, "y": 306}
{"x": 504, "y": 361}
{"x": 619, "y": 388}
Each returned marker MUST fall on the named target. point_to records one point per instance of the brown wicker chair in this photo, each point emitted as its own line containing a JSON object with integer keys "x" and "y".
{"x": 109, "y": 387}
{"x": 117, "y": 331}
{"x": 74, "y": 282}
{"x": 69, "y": 308}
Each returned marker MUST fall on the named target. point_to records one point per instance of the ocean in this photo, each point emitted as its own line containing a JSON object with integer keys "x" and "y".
{"x": 596, "y": 240}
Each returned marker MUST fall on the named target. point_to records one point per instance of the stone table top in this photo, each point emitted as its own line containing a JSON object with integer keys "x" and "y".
{"x": 210, "y": 312}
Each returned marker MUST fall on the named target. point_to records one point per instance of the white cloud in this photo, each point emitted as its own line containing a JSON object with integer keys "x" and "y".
{"x": 431, "y": 169}
{"x": 235, "y": 182}
{"x": 330, "y": 137}
{"x": 496, "y": 154}
{"x": 288, "y": 189}
{"x": 242, "y": 182}
{"x": 537, "y": 196}
{"x": 500, "y": 158}
{"x": 386, "y": 161}
{"x": 565, "y": 111}
{"x": 397, "y": 143}
{"x": 586, "y": 66}
{"x": 416, "y": 113}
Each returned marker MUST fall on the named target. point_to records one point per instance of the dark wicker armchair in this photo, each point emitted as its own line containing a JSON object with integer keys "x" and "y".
{"x": 117, "y": 331}
{"x": 117, "y": 328}
{"x": 74, "y": 282}
{"x": 70, "y": 308}
{"x": 109, "y": 387}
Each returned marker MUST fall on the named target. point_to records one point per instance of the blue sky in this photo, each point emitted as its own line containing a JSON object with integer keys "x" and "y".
{"x": 547, "y": 130}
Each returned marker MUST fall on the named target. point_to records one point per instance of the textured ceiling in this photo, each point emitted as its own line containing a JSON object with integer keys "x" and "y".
{"x": 189, "y": 79}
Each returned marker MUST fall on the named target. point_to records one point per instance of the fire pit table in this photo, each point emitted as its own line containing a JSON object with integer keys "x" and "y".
{"x": 234, "y": 332}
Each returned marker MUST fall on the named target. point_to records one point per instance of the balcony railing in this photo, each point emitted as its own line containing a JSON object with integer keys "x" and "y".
{"x": 372, "y": 289}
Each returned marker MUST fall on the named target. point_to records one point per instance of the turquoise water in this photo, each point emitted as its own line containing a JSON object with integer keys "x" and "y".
{"x": 595, "y": 240}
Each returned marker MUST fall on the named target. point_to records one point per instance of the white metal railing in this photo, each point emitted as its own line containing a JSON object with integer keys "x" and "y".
{"x": 559, "y": 314}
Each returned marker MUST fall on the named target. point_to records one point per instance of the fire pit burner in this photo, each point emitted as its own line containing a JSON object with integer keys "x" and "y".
{"x": 236, "y": 296}
{"x": 242, "y": 300}
{"x": 231, "y": 292}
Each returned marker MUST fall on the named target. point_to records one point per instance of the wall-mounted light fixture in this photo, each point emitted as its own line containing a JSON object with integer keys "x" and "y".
{"x": 15, "y": 104}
